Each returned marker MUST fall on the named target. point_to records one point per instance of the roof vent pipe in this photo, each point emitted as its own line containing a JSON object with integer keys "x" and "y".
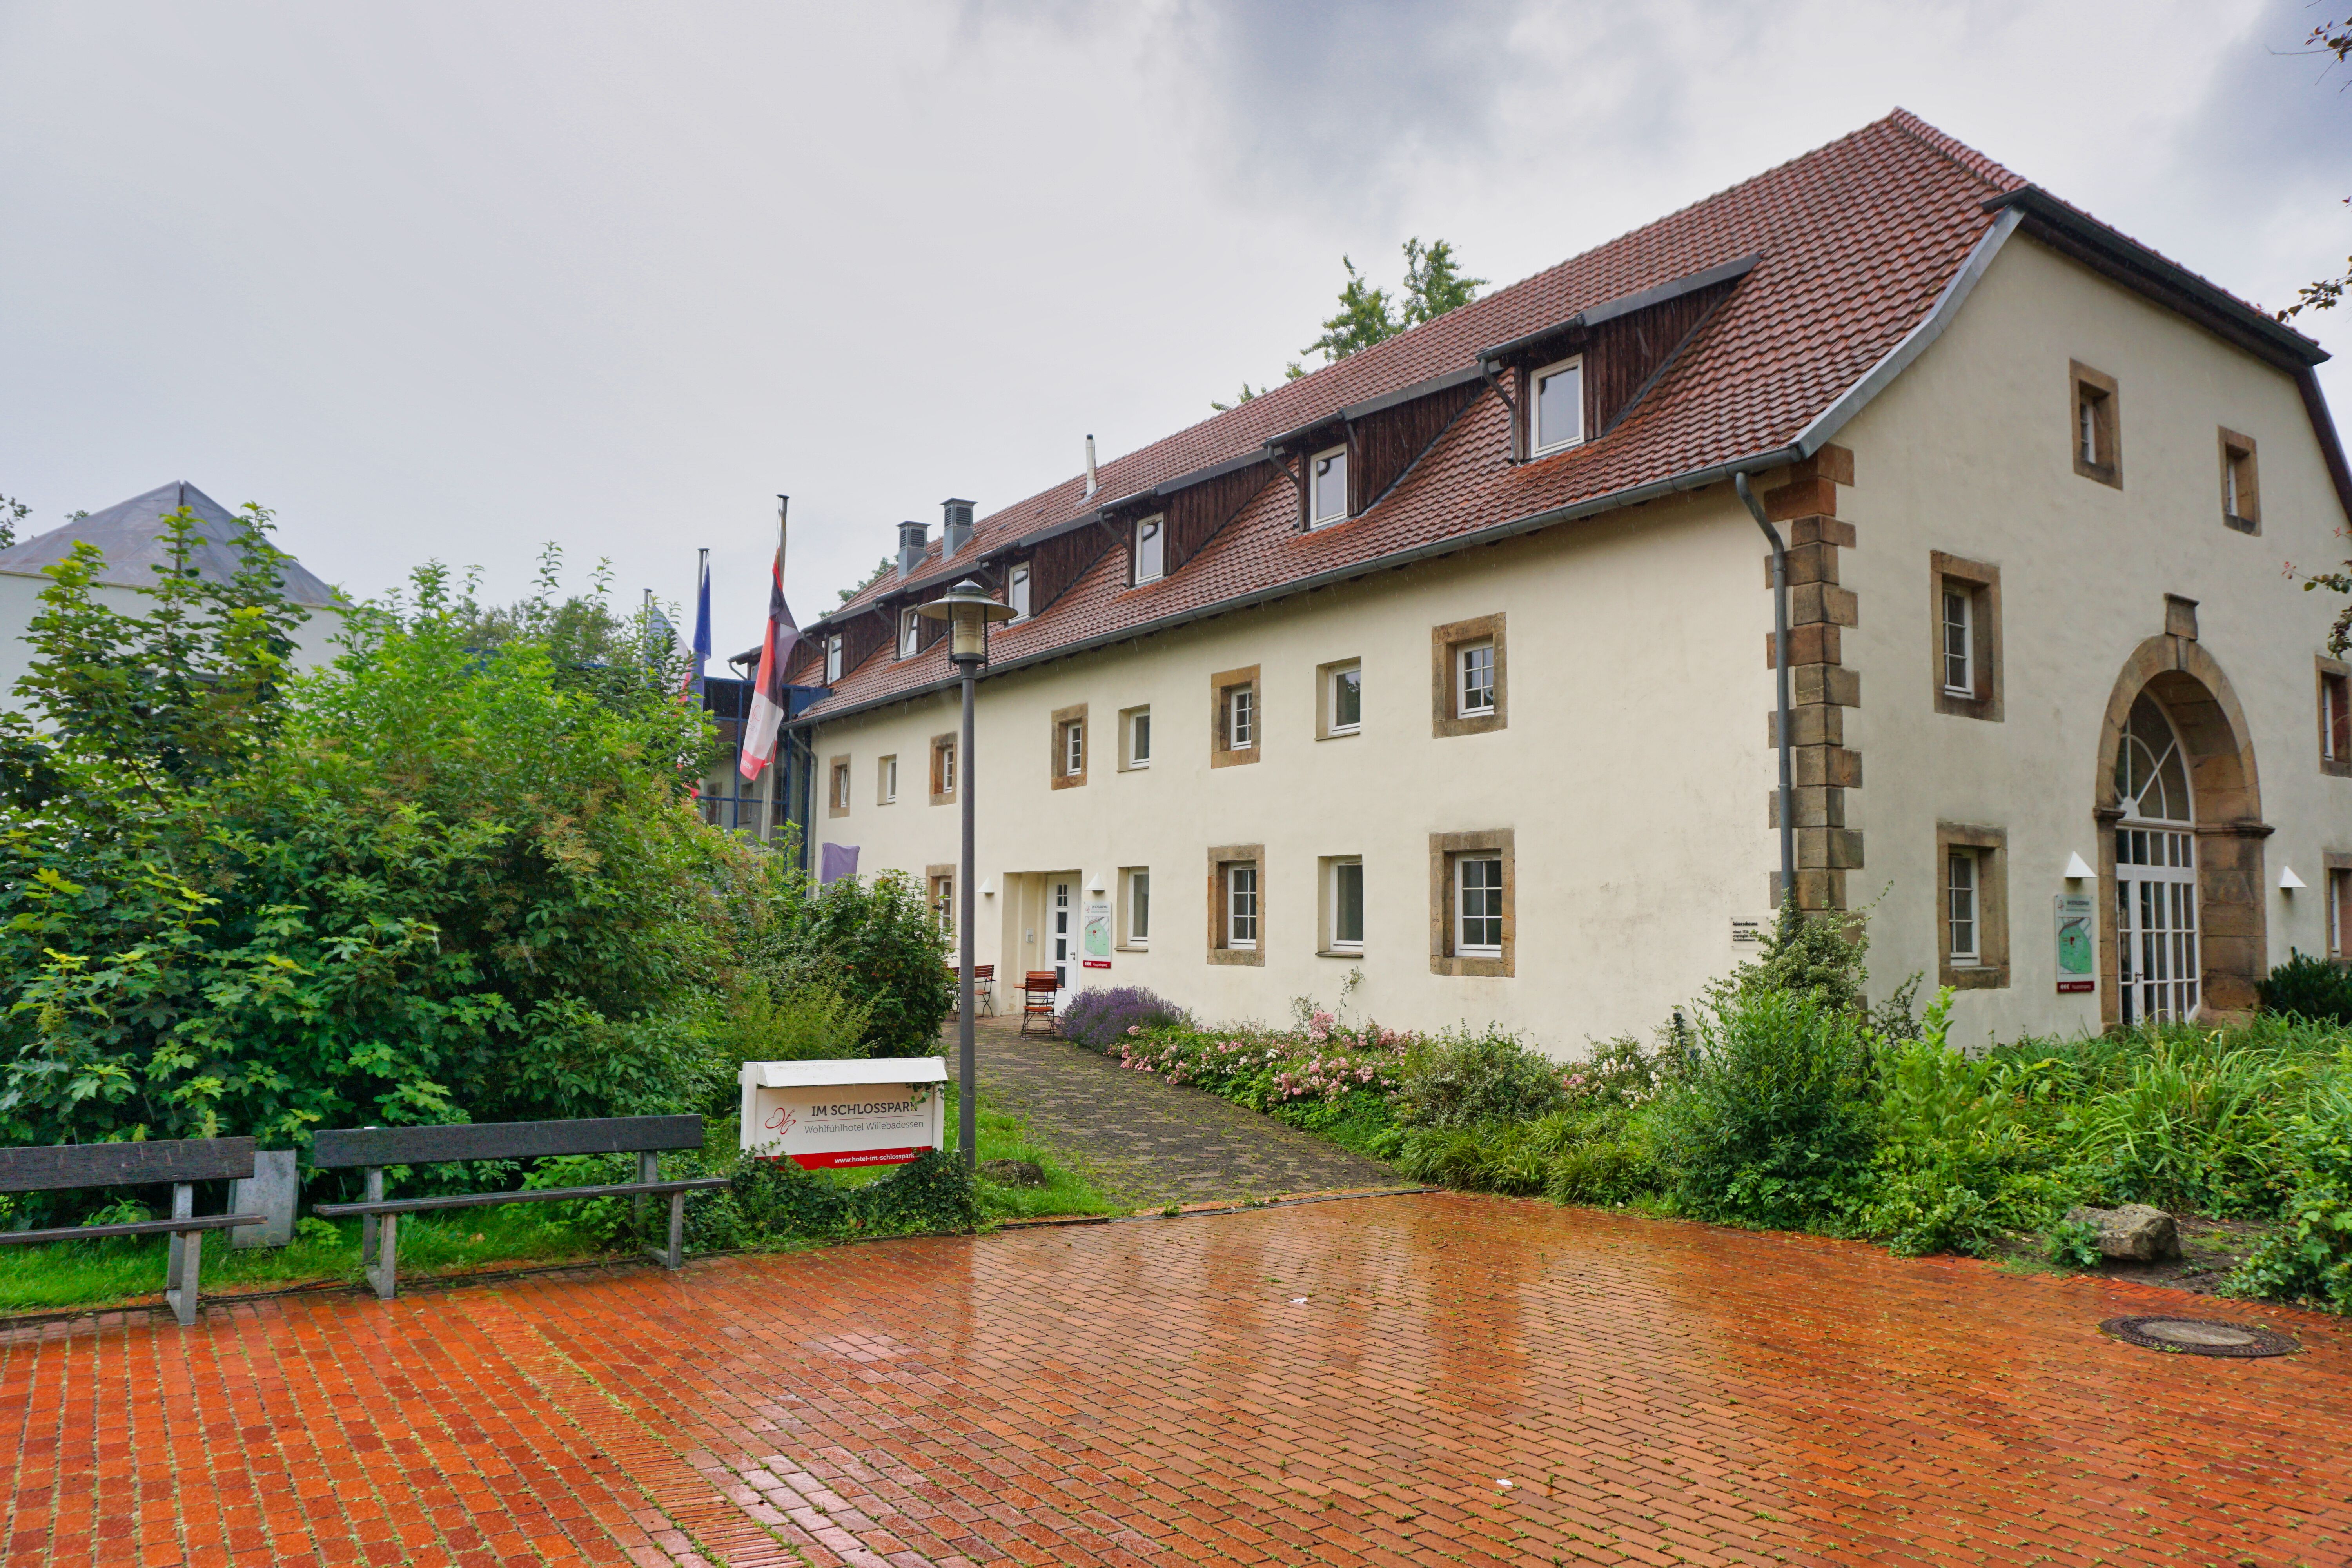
{"x": 912, "y": 536}
{"x": 1090, "y": 467}
{"x": 957, "y": 530}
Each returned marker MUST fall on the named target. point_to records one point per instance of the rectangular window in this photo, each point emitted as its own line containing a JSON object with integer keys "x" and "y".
{"x": 839, "y": 786}
{"x": 1959, "y": 637}
{"x": 1960, "y": 911}
{"x": 1017, "y": 590}
{"x": 1240, "y": 717}
{"x": 1234, "y": 717}
{"x": 910, "y": 634}
{"x": 1346, "y": 697}
{"x": 1073, "y": 747}
{"x": 2339, "y": 912}
{"x": 1478, "y": 908}
{"x": 1326, "y": 487}
{"x": 833, "y": 659}
{"x": 2097, "y": 432}
{"x": 2334, "y": 717}
{"x": 1556, "y": 406}
{"x": 1346, "y": 893}
{"x": 942, "y": 884}
{"x": 1139, "y": 738}
{"x": 1476, "y": 663}
{"x": 944, "y": 768}
{"x": 2241, "y": 490}
{"x": 1148, "y": 553}
{"x": 890, "y": 779}
{"x": 1067, "y": 765}
{"x": 1138, "y": 908}
{"x": 1241, "y": 907}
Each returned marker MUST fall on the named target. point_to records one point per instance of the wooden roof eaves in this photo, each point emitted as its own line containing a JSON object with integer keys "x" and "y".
{"x": 1624, "y": 305}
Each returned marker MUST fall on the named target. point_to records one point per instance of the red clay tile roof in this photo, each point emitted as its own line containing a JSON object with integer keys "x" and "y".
{"x": 1857, "y": 238}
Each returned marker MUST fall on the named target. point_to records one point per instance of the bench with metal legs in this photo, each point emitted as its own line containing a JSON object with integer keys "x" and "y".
{"x": 373, "y": 1148}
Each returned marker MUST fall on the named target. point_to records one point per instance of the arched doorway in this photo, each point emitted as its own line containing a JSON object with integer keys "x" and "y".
{"x": 2182, "y": 920}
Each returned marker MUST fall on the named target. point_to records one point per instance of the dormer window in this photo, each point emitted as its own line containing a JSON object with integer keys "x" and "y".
{"x": 1149, "y": 555}
{"x": 1326, "y": 487}
{"x": 833, "y": 659}
{"x": 911, "y": 632}
{"x": 1556, "y": 406}
{"x": 1017, "y": 590}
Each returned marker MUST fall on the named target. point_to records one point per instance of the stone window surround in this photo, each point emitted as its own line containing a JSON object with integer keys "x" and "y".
{"x": 1991, "y": 970}
{"x": 836, "y": 785}
{"x": 1058, "y": 763}
{"x": 1220, "y": 857}
{"x": 883, "y": 794}
{"x": 1220, "y": 754}
{"x": 1123, "y": 939}
{"x": 2324, "y": 669}
{"x": 942, "y": 743}
{"x": 932, "y": 876}
{"x": 1325, "y": 674}
{"x": 1983, "y": 582}
{"x": 1445, "y": 850}
{"x": 1442, "y": 641}
{"x": 2108, "y": 418}
{"x": 2332, "y": 863}
{"x": 2235, "y": 449}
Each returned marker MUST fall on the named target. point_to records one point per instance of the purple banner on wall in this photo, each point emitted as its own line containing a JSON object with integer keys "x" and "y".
{"x": 835, "y": 861}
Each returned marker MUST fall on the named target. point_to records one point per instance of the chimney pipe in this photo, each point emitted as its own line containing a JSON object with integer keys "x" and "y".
{"x": 1090, "y": 467}
{"x": 912, "y": 537}
{"x": 956, "y": 532}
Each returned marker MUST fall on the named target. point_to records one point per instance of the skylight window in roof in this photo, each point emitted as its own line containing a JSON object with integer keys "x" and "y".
{"x": 1326, "y": 487}
{"x": 1556, "y": 407}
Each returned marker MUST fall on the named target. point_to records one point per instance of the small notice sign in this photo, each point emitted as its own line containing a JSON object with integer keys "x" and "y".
{"x": 1746, "y": 932}
{"x": 2078, "y": 942}
{"x": 840, "y": 1115}
{"x": 1093, "y": 942}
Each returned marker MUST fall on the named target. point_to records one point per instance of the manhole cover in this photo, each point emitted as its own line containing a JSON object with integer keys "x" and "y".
{"x": 2197, "y": 1336}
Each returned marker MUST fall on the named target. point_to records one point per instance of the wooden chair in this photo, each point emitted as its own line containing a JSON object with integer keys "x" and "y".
{"x": 984, "y": 987}
{"x": 183, "y": 1161}
{"x": 373, "y": 1148}
{"x": 1037, "y": 990}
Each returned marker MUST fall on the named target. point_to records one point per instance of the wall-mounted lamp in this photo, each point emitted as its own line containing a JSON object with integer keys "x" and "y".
{"x": 988, "y": 890}
{"x": 1096, "y": 885}
{"x": 2288, "y": 881}
{"x": 2077, "y": 870}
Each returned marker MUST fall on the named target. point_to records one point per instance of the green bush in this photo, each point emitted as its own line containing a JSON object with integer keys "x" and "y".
{"x": 2187, "y": 1121}
{"x": 2308, "y": 987}
{"x": 1463, "y": 1080}
{"x": 876, "y": 942}
{"x": 1773, "y": 1125}
{"x": 766, "y": 1203}
{"x": 2073, "y": 1243}
{"x": 757, "y": 1021}
{"x": 2308, "y": 1258}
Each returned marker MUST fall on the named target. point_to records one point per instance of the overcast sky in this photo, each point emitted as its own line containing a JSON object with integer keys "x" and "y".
{"x": 454, "y": 280}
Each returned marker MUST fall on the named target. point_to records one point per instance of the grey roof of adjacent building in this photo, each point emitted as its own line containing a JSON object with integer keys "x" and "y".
{"x": 131, "y": 533}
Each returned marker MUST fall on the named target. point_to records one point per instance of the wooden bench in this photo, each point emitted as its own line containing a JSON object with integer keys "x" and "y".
{"x": 66, "y": 1167}
{"x": 373, "y": 1148}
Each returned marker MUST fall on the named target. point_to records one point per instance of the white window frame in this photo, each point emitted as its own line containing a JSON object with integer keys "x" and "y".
{"x": 841, "y": 773}
{"x": 1462, "y": 687}
{"x": 1331, "y": 892}
{"x": 2086, "y": 424}
{"x": 890, "y": 780}
{"x": 1536, "y": 445}
{"x": 1315, "y": 516}
{"x": 1151, "y": 548}
{"x": 1235, "y": 893}
{"x": 1972, "y": 955}
{"x": 911, "y": 632}
{"x": 1139, "y": 729}
{"x": 1462, "y": 946}
{"x": 2332, "y": 691}
{"x": 1016, "y": 589}
{"x": 1240, "y": 716}
{"x": 947, "y": 754}
{"x": 2337, "y": 891}
{"x": 1074, "y": 748}
{"x": 1339, "y": 678}
{"x": 833, "y": 659}
{"x": 1967, "y": 628}
{"x": 1138, "y": 908}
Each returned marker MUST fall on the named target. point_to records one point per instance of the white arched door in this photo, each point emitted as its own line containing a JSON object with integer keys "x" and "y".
{"x": 2156, "y": 966}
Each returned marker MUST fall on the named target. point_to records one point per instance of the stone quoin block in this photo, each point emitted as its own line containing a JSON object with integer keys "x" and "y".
{"x": 1813, "y": 805}
{"x": 1815, "y": 643}
{"x": 1813, "y": 724}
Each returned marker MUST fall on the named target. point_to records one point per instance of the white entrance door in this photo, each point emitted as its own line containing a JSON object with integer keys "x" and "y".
{"x": 2158, "y": 969}
{"x": 1064, "y": 934}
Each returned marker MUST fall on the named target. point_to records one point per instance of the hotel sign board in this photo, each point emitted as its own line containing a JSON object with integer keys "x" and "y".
{"x": 844, "y": 1115}
{"x": 2078, "y": 942}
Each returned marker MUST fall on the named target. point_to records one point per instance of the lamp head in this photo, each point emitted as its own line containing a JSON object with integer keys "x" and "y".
{"x": 968, "y": 610}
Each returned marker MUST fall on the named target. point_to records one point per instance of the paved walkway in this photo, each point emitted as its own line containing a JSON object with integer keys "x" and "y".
{"x": 1147, "y": 1144}
{"x": 1340, "y": 1383}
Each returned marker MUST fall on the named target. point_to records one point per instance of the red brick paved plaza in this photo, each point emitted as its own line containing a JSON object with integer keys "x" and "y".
{"x": 1153, "y": 1392}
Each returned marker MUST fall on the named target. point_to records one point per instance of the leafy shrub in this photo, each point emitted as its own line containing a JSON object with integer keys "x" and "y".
{"x": 1619, "y": 1073}
{"x": 1463, "y": 1080}
{"x": 1601, "y": 1171}
{"x": 767, "y": 1203}
{"x": 2308, "y": 1258}
{"x": 1099, "y": 1017}
{"x": 2308, "y": 987}
{"x": 878, "y": 942}
{"x": 2186, "y": 1121}
{"x": 756, "y": 1022}
{"x": 2073, "y": 1243}
{"x": 1773, "y": 1126}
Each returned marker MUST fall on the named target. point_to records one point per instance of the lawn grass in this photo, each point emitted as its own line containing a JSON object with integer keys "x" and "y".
{"x": 67, "y": 1276}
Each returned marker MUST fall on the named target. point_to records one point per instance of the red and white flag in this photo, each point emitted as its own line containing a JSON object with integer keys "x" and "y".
{"x": 768, "y": 706}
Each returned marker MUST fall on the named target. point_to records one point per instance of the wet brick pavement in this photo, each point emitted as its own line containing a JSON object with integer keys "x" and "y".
{"x": 1145, "y": 1144}
{"x": 1156, "y": 1392}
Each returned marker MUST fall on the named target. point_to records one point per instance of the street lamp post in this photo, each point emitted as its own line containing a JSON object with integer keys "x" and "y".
{"x": 969, "y": 611}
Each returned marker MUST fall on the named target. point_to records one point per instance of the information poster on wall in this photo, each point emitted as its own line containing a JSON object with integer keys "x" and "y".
{"x": 844, "y": 1115}
{"x": 2078, "y": 942}
{"x": 1094, "y": 946}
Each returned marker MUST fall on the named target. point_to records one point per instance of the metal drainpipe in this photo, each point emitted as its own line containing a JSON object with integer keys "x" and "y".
{"x": 1780, "y": 675}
